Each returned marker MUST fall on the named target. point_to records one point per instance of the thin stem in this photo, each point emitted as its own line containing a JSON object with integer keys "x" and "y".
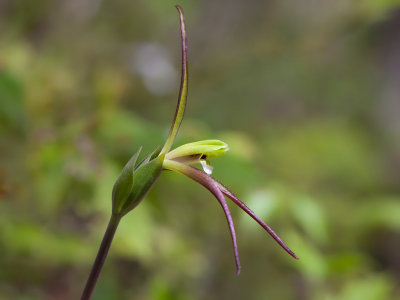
{"x": 101, "y": 257}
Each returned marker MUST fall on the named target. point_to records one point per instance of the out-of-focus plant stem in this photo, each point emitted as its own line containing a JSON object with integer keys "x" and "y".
{"x": 101, "y": 257}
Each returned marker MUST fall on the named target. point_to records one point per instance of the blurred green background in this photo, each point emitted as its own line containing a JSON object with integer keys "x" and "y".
{"x": 307, "y": 95}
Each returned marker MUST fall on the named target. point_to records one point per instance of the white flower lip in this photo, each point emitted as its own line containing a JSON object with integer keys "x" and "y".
{"x": 206, "y": 167}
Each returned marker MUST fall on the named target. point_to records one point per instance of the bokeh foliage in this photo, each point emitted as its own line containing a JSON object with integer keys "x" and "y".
{"x": 304, "y": 92}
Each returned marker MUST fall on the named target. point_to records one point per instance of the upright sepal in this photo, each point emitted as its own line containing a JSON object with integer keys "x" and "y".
{"x": 183, "y": 89}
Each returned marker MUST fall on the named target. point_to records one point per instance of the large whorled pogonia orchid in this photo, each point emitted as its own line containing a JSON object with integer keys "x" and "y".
{"x": 136, "y": 179}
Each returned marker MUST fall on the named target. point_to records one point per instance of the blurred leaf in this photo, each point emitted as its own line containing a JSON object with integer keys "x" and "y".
{"x": 376, "y": 287}
{"x": 311, "y": 218}
{"x": 380, "y": 212}
{"x": 40, "y": 243}
{"x": 378, "y": 8}
{"x": 134, "y": 237}
{"x": 312, "y": 262}
{"x": 325, "y": 153}
{"x": 263, "y": 203}
{"x": 343, "y": 264}
{"x": 11, "y": 103}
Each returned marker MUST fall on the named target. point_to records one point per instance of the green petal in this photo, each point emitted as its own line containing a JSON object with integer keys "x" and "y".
{"x": 199, "y": 150}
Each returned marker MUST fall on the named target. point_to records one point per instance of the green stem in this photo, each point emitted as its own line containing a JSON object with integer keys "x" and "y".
{"x": 101, "y": 257}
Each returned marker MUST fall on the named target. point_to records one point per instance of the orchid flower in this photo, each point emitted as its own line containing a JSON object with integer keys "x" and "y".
{"x": 137, "y": 178}
{"x": 182, "y": 158}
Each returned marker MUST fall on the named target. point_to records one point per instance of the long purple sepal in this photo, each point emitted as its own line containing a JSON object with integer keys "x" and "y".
{"x": 208, "y": 183}
{"x": 243, "y": 206}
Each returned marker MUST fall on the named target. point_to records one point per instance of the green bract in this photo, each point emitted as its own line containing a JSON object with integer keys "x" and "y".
{"x": 124, "y": 184}
{"x": 135, "y": 181}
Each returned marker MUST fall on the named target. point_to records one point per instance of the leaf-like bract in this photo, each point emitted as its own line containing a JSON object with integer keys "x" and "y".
{"x": 124, "y": 184}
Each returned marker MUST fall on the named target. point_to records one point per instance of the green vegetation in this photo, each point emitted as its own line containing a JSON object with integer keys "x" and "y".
{"x": 305, "y": 96}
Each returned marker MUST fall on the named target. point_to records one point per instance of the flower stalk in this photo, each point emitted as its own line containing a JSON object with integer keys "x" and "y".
{"x": 101, "y": 257}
